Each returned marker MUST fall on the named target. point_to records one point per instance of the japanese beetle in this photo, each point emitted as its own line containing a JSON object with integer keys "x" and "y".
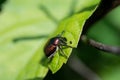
{"x": 55, "y": 44}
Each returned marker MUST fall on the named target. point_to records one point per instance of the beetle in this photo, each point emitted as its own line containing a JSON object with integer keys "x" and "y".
{"x": 55, "y": 44}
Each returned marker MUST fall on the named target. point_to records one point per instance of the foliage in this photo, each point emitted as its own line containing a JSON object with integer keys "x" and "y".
{"x": 25, "y": 59}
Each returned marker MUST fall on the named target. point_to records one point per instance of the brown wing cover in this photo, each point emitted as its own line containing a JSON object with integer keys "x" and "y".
{"x": 49, "y": 49}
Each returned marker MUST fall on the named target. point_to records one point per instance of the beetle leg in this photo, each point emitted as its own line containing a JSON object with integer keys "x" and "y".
{"x": 51, "y": 56}
{"x": 59, "y": 35}
{"x": 62, "y": 52}
{"x": 63, "y": 39}
{"x": 65, "y": 44}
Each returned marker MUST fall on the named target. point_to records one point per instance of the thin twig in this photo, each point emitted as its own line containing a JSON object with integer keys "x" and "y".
{"x": 107, "y": 48}
{"x": 79, "y": 67}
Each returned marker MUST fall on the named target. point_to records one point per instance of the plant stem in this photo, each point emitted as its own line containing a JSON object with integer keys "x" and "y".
{"x": 107, "y": 48}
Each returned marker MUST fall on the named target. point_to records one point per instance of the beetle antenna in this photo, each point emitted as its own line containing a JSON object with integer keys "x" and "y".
{"x": 59, "y": 35}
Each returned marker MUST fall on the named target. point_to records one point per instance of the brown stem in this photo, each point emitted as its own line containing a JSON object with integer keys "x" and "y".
{"x": 105, "y": 7}
{"x": 100, "y": 46}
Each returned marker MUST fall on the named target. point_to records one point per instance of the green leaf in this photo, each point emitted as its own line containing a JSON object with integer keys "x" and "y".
{"x": 25, "y": 59}
{"x": 73, "y": 28}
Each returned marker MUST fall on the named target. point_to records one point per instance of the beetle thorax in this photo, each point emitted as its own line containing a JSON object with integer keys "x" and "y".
{"x": 56, "y": 42}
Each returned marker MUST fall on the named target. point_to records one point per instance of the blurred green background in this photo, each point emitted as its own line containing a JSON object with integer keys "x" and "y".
{"x": 105, "y": 65}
